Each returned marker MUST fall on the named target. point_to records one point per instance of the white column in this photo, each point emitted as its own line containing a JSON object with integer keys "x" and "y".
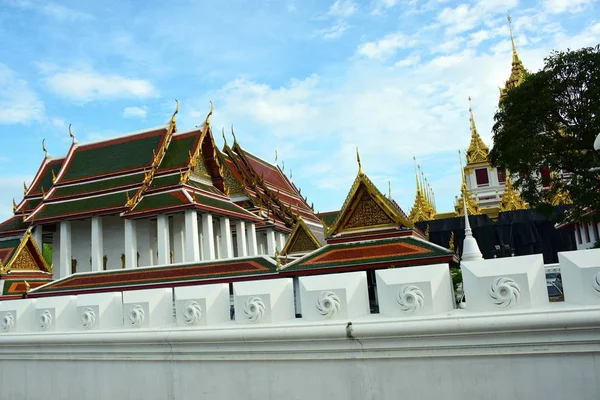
{"x": 240, "y": 233}
{"x": 56, "y": 253}
{"x": 192, "y": 244}
{"x": 208, "y": 239}
{"x": 226, "y": 239}
{"x": 97, "y": 244}
{"x": 162, "y": 233}
{"x": 281, "y": 243}
{"x": 252, "y": 244}
{"x": 144, "y": 242}
{"x": 178, "y": 238}
{"x": 130, "y": 243}
{"x": 271, "y": 244}
{"x": 65, "y": 249}
{"x": 37, "y": 236}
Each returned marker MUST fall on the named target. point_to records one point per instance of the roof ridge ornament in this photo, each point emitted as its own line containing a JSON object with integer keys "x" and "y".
{"x": 233, "y": 134}
{"x": 72, "y": 136}
{"x": 210, "y": 113}
{"x": 46, "y": 154}
{"x": 173, "y": 120}
{"x": 25, "y": 188}
{"x": 14, "y": 205}
{"x": 360, "y": 170}
{"x": 477, "y": 151}
{"x": 223, "y": 134}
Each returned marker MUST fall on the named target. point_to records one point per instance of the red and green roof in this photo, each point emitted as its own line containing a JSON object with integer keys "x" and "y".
{"x": 102, "y": 204}
{"x": 44, "y": 177}
{"x": 113, "y": 156}
{"x": 7, "y": 248}
{"x": 196, "y": 272}
{"x": 13, "y": 226}
{"x": 383, "y": 253}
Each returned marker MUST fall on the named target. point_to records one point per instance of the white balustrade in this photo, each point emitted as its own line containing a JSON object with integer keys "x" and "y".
{"x": 148, "y": 308}
{"x": 17, "y": 315}
{"x": 505, "y": 283}
{"x": 264, "y": 301}
{"x": 423, "y": 290}
{"x": 55, "y": 314}
{"x": 580, "y": 273}
{"x": 99, "y": 311}
{"x": 335, "y": 296}
{"x": 202, "y": 305}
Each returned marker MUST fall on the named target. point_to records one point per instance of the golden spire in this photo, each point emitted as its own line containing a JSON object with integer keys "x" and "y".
{"x": 465, "y": 194}
{"x": 511, "y": 200}
{"x": 517, "y": 73}
{"x": 360, "y": 170}
{"x": 207, "y": 120}
{"x": 477, "y": 151}
{"x": 422, "y": 209}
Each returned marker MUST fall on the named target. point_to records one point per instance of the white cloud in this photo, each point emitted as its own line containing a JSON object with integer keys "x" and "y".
{"x": 333, "y": 32}
{"x": 56, "y": 11}
{"x": 84, "y": 85}
{"x": 561, "y": 6}
{"x": 342, "y": 8}
{"x": 18, "y": 102}
{"x": 465, "y": 17}
{"x": 135, "y": 112}
{"x": 385, "y": 47}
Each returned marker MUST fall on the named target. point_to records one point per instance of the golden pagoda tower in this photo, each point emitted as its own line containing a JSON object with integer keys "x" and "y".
{"x": 465, "y": 193}
{"x": 511, "y": 200}
{"x": 423, "y": 208}
{"x": 517, "y": 74}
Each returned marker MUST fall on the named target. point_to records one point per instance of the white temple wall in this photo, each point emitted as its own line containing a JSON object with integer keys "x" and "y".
{"x": 56, "y": 252}
{"x": 113, "y": 236}
{"x": 81, "y": 242}
{"x": 507, "y": 342}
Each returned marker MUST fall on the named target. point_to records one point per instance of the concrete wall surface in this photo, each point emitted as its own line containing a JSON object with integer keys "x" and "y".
{"x": 181, "y": 343}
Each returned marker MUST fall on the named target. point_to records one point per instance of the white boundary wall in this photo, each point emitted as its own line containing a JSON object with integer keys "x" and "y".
{"x": 509, "y": 343}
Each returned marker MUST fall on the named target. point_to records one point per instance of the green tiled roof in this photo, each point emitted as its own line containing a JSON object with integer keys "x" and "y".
{"x": 31, "y": 204}
{"x": 46, "y": 179}
{"x": 9, "y": 244}
{"x": 203, "y": 186}
{"x": 98, "y": 185}
{"x": 160, "y": 200}
{"x": 369, "y": 254}
{"x": 329, "y": 217}
{"x": 13, "y": 224}
{"x": 87, "y": 204}
{"x": 178, "y": 152}
{"x": 111, "y": 157}
{"x": 165, "y": 181}
{"x": 220, "y": 204}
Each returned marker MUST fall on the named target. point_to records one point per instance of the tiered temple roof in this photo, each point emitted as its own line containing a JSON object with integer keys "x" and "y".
{"x": 511, "y": 199}
{"x": 517, "y": 74}
{"x": 477, "y": 152}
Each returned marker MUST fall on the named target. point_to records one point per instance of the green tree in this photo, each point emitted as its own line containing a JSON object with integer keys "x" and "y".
{"x": 551, "y": 120}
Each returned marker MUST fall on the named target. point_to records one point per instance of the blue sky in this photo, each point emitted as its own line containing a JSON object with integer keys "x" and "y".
{"x": 311, "y": 79}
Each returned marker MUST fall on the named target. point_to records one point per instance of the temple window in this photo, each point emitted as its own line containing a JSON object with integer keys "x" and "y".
{"x": 482, "y": 177}
{"x": 578, "y": 233}
{"x": 587, "y": 232}
{"x": 545, "y": 173}
{"x": 501, "y": 175}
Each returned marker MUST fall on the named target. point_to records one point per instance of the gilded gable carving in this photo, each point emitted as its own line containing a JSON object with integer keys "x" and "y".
{"x": 231, "y": 183}
{"x": 302, "y": 243}
{"x": 201, "y": 169}
{"x": 25, "y": 261}
{"x": 367, "y": 213}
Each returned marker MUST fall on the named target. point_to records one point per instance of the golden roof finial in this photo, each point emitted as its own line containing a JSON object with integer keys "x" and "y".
{"x": 71, "y": 134}
{"x": 290, "y": 174}
{"x": 233, "y": 134}
{"x": 44, "y": 148}
{"x": 53, "y": 176}
{"x": 176, "y": 111}
{"x": 276, "y": 156}
{"x": 389, "y": 189}
{"x": 207, "y": 120}
{"x": 451, "y": 242}
{"x": 14, "y": 205}
{"x": 224, "y": 138}
{"x": 416, "y": 174}
{"x": 360, "y": 170}
{"x": 25, "y": 189}
{"x": 27, "y": 286}
{"x": 282, "y": 165}
{"x": 43, "y": 192}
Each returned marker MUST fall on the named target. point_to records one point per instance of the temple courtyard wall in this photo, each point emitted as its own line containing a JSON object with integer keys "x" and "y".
{"x": 507, "y": 341}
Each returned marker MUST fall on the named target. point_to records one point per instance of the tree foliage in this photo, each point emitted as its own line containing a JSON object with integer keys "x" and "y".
{"x": 551, "y": 120}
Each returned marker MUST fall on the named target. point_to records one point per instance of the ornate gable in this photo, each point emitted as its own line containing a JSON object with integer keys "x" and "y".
{"x": 302, "y": 240}
{"x": 365, "y": 207}
{"x": 26, "y": 257}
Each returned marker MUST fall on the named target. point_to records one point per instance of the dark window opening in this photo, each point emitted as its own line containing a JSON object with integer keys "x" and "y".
{"x": 482, "y": 177}
{"x": 545, "y": 173}
{"x": 501, "y": 175}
